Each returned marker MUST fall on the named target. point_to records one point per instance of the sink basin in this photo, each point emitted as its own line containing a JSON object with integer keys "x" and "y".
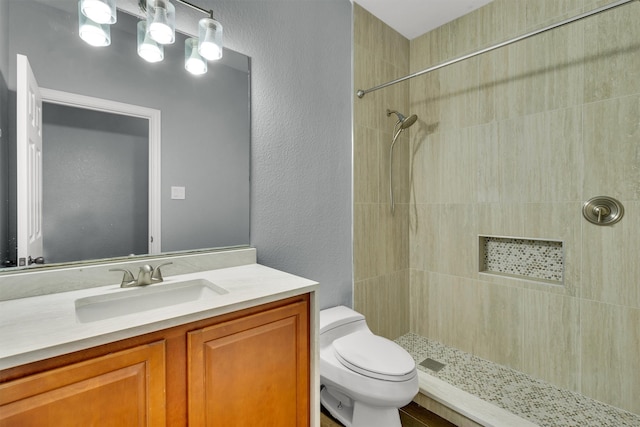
{"x": 136, "y": 300}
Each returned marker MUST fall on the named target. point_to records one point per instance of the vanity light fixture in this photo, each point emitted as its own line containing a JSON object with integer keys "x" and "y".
{"x": 92, "y": 32}
{"x": 148, "y": 49}
{"x": 158, "y": 29}
{"x": 100, "y": 11}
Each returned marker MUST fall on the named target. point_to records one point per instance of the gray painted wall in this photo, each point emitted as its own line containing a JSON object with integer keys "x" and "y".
{"x": 90, "y": 212}
{"x": 301, "y": 152}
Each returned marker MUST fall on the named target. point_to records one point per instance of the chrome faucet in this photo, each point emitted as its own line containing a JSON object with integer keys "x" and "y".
{"x": 146, "y": 276}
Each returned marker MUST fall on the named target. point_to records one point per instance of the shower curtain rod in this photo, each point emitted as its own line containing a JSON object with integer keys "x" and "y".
{"x": 361, "y": 93}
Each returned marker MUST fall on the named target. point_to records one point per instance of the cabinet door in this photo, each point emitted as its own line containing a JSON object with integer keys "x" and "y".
{"x": 252, "y": 371}
{"x": 120, "y": 389}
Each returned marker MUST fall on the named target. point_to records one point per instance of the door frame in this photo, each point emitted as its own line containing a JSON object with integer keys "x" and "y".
{"x": 53, "y": 96}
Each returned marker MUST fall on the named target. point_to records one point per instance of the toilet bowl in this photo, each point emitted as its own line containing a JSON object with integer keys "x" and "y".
{"x": 364, "y": 378}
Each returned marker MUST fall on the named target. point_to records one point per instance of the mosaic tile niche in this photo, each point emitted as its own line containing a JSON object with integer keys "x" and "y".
{"x": 538, "y": 260}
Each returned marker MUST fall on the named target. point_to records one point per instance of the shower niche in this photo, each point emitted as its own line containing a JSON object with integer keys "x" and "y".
{"x": 522, "y": 258}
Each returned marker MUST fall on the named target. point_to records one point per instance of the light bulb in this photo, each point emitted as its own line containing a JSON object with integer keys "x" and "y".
{"x": 100, "y": 11}
{"x": 148, "y": 49}
{"x": 193, "y": 62}
{"x": 161, "y": 21}
{"x": 91, "y": 32}
{"x": 210, "y": 38}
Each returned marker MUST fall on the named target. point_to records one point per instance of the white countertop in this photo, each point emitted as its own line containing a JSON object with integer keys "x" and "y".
{"x": 40, "y": 327}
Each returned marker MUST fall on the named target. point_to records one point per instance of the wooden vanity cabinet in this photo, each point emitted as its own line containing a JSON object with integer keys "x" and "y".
{"x": 251, "y": 371}
{"x": 246, "y": 368}
{"x": 125, "y": 388}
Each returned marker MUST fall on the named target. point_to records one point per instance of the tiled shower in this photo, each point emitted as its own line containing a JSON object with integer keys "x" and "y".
{"x": 508, "y": 146}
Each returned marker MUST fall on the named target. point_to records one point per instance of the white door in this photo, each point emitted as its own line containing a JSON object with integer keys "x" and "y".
{"x": 29, "y": 166}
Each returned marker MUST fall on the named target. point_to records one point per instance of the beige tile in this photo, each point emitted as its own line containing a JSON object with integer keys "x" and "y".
{"x": 368, "y": 253}
{"x": 459, "y": 165}
{"x": 424, "y": 236}
{"x": 611, "y": 42}
{"x": 368, "y": 299}
{"x": 426, "y": 172}
{"x": 365, "y": 165}
{"x": 611, "y": 267}
{"x": 395, "y": 237}
{"x": 457, "y": 245}
{"x": 551, "y": 345}
{"x": 419, "y": 322}
{"x": 563, "y": 222}
{"x": 501, "y": 219}
{"x": 611, "y": 149}
{"x": 610, "y": 347}
{"x": 394, "y": 314}
{"x": 500, "y": 320}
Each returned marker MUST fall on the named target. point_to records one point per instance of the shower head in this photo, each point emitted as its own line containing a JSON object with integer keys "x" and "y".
{"x": 404, "y": 122}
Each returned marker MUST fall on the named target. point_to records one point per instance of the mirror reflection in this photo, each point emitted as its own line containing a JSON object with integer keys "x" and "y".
{"x": 203, "y": 162}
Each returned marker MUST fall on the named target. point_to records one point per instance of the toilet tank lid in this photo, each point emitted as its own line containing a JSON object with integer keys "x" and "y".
{"x": 337, "y": 316}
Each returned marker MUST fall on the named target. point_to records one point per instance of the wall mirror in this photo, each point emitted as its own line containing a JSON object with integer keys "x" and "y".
{"x": 204, "y": 150}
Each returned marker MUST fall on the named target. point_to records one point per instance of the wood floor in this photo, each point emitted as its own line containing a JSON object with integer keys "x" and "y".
{"x": 412, "y": 415}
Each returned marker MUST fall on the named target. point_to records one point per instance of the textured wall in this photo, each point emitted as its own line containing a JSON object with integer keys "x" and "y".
{"x": 523, "y": 136}
{"x": 381, "y": 240}
{"x": 301, "y": 135}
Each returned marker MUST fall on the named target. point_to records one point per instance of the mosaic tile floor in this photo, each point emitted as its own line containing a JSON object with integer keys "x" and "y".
{"x": 527, "y": 397}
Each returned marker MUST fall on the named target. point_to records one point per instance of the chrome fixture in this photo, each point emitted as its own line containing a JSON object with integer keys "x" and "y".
{"x": 146, "y": 276}
{"x": 402, "y": 124}
{"x": 361, "y": 93}
{"x": 157, "y": 30}
{"x": 602, "y": 210}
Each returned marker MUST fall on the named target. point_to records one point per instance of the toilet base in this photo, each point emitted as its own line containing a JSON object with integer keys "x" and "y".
{"x": 358, "y": 414}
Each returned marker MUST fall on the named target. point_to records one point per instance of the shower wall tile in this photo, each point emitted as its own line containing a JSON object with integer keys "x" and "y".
{"x": 611, "y": 149}
{"x": 551, "y": 345}
{"x": 459, "y": 166}
{"x": 366, "y": 166}
{"x": 559, "y": 221}
{"x": 424, "y": 236}
{"x": 395, "y": 236}
{"x": 426, "y": 172}
{"x": 545, "y": 12}
{"x": 611, "y": 268}
{"x": 499, "y": 335}
{"x": 381, "y": 241}
{"x": 459, "y": 95}
{"x": 394, "y": 323}
{"x": 457, "y": 251}
{"x": 610, "y": 346}
{"x": 422, "y": 307}
{"x": 368, "y": 252}
{"x": 611, "y": 42}
{"x": 501, "y": 219}
{"x": 368, "y": 299}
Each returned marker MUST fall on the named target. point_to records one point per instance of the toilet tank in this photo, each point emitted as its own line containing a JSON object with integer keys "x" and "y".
{"x": 335, "y": 317}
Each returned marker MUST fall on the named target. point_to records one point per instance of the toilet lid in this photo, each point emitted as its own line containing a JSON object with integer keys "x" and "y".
{"x": 374, "y": 357}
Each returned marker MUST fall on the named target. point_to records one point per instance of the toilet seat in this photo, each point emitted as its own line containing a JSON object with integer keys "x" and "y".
{"x": 374, "y": 356}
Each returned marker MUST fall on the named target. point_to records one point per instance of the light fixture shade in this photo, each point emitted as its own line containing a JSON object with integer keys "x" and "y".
{"x": 161, "y": 21}
{"x": 99, "y": 11}
{"x": 193, "y": 62}
{"x": 91, "y": 32}
{"x": 210, "y": 38}
{"x": 148, "y": 49}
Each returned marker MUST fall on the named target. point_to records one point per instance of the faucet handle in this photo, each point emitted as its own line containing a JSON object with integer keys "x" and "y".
{"x": 156, "y": 276}
{"x": 127, "y": 278}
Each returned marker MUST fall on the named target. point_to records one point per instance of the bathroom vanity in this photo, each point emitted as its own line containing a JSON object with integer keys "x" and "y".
{"x": 243, "y": 355}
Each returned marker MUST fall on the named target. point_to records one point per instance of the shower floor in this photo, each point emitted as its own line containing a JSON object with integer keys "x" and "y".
{"x": 516, "y": 392}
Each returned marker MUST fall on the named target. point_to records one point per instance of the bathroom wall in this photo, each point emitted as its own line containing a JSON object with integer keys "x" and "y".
{"x": 381, "y": 240}
{"x": 301, "y": 143}
{"x": 520, "y": 138}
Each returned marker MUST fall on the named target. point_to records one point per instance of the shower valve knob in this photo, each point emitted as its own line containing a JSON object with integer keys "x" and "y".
{"x": 602, "y": 210}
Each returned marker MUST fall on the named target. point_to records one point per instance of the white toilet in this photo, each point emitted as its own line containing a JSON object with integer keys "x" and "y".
{"x": 364, "y": 378}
